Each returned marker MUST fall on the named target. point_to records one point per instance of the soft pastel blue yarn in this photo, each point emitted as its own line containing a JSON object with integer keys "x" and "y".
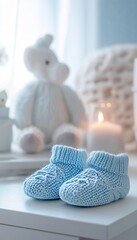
{"x": 64, "y": 164}
{"x": 104, "y": 181}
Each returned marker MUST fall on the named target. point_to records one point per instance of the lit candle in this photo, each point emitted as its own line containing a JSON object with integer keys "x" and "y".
{"x": 105, "y": 136}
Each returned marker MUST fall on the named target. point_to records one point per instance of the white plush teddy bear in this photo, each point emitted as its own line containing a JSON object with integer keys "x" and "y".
{"x": 46, "y": 111}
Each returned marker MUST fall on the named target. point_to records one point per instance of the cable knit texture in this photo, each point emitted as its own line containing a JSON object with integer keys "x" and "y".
{"x": 64, "y": 164}
{"x": 107, "y": 76}
{"x": 104, "y": 181}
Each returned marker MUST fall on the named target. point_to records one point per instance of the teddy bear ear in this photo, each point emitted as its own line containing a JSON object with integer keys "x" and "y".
{"x": 45, "y": 41}
{"x": 30, "y": 56}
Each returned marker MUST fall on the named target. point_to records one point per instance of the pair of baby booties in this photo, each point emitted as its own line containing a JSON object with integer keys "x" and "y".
{"x": 97, "y": 180}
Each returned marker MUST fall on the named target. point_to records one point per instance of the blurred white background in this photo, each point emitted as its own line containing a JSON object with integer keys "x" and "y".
{"x": 79, "y": 27}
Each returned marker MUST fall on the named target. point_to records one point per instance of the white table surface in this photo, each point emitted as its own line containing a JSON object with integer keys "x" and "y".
{"x": 104, "y": 222}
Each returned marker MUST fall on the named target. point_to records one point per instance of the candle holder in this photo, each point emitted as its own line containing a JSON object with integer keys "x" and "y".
{"x": 5, "y": 124}
{"x": 104, "y": 107}
{"x": 103, "y": 135}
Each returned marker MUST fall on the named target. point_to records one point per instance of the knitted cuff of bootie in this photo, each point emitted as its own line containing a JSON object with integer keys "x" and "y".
{"x": 109, "y": 162}
{"x": 68, "y": 155}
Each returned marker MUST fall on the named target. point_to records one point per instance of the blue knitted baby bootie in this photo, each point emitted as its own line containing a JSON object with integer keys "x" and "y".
{"x": 64, "y": 164}
{"x": 104, "y": 181}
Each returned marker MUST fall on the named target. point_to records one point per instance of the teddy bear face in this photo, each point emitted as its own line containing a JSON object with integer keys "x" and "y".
{"x": 43, "y": 63}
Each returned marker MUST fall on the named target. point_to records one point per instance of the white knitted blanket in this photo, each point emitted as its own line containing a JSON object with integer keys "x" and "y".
{"x": 108, "y": 76}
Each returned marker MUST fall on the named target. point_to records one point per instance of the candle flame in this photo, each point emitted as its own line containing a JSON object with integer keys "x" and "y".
{"x": 108, "y": 105}
{"x": 100, "y": 117}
